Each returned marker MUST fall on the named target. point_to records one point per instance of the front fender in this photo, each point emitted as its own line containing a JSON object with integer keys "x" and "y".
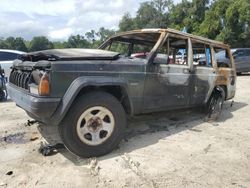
{"x": 76, "y": 86}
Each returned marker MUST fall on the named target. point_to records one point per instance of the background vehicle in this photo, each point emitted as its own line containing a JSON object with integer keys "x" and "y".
{"x": 6, "y": 59}
{"x": 242, "y": 59}
{"x": 89, "y": 92}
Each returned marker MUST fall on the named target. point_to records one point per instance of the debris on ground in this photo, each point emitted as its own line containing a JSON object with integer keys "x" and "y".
{"x": 30, "y": 122}
{"x": 17, "y": 138}
{"x": 48, "y": 150}
{"x": 9, "y": 173}
{"x": 34, "y": 136}
{"x": 195, "y": 130}
{"x": 3, "y": 184}
{"x": 232, "y": 103}
{"x": 207, "y": 148}
{"x": 93, "y": 166}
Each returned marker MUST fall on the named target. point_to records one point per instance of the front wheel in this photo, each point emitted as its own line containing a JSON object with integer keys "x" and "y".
{"x": 94, "y": 125}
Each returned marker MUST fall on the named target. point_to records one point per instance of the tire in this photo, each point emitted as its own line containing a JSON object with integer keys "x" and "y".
{"x": 2, "y": 95}
{"x": 214, "y": 105}
{"x": 94, "y": 125}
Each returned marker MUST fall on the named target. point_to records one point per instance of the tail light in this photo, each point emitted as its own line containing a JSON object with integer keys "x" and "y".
{"x": 44, "y": 86}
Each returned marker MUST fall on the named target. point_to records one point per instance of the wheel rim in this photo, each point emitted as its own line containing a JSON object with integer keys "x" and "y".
{"x": 95, "y": 125}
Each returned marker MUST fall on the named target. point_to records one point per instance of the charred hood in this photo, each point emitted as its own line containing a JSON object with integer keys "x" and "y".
{"x": 69, "y": 54}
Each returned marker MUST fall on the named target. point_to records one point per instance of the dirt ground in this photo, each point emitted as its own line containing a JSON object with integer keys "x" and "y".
{"x": 160, "y": 150}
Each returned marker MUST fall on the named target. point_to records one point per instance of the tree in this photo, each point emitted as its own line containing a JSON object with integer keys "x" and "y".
{"x": 20, "y": 44}
{"x": 180, "y": 15}
{"x": 228, "y": 21}
{"x": 237, "y": 23}
{"x": 104, "y": 34}
{"x": 126, "y": 23}
{"x": 153, "y": 14}
{"x": 13, "y": 44}
{"x": 40, "y": 43}
{"x": 77, "y": 41}
{"x": 91, "y": 36}
{"x": 214, "y": 20}
{"x": 145, "y": 16}
{"x": 10, "y": 42}
{"x": 3, "y": 44}
{"x": 59, "y": 44}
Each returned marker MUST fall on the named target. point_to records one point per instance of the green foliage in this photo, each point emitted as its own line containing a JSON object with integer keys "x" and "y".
{"x": 228, "y": 21}
{"x": 40, "y": 43}
{"x": 91, "y": 35}
{"x": 103, "y": 34}
{"x": 151, "y": 14}
{"x": 180, "y": 14}
{"x": 59, "y": 45}
{"x": 3, "y": 44}
{"x": 13, "y": 43}
{"x": 126, "y": 23}
{"x": 77, "y": 41}
{"x": 224, "y": 20}
{"x": 20, "y": 44}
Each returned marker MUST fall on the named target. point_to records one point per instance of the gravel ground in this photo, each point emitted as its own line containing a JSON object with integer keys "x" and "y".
{"x": 160, "y": 150}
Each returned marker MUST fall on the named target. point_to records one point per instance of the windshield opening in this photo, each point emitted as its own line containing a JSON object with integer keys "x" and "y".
{"x": 136, "y": 45}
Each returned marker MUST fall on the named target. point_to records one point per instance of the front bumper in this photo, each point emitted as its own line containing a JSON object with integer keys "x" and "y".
{"x": 39, "y": 108}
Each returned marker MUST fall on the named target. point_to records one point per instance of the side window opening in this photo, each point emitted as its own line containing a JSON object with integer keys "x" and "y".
{"x": 201, "y": 54}
{"x": 140, "y": 51}
{"x": 174, "y": 51}
{"x": 120, "y": 47}
{"x": 222, "y": 57}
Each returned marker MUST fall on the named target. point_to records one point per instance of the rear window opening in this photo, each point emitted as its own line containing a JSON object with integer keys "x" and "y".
{"x": 222, "y": 57}
{"x": 201, "y": 54}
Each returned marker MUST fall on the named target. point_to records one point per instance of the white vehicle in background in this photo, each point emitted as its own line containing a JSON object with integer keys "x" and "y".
{"x": 6, "y": 59}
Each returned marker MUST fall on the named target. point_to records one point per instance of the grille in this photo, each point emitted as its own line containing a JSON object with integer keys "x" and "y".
{"x": 20, "y": 78}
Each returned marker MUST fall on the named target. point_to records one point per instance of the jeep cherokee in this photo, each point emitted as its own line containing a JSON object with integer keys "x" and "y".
{"x": 88, "y": 93}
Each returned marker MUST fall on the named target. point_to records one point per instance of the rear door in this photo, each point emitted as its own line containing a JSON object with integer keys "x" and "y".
{"x": 204, "y": 74}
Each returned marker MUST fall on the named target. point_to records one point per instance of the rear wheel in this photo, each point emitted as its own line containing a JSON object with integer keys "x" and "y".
{"x": 2, "y": 95}
{"x": 215, "y": 104}
{"x": 94, "y": 125}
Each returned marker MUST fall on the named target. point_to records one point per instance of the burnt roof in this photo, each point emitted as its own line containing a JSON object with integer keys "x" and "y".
{"x": 171, "y": 31}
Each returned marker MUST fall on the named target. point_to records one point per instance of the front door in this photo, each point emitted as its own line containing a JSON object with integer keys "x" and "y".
{"x": 168, "y": 78}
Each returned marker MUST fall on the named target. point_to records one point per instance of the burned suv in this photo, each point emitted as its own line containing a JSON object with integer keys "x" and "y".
{"x": 88, "y": 93}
